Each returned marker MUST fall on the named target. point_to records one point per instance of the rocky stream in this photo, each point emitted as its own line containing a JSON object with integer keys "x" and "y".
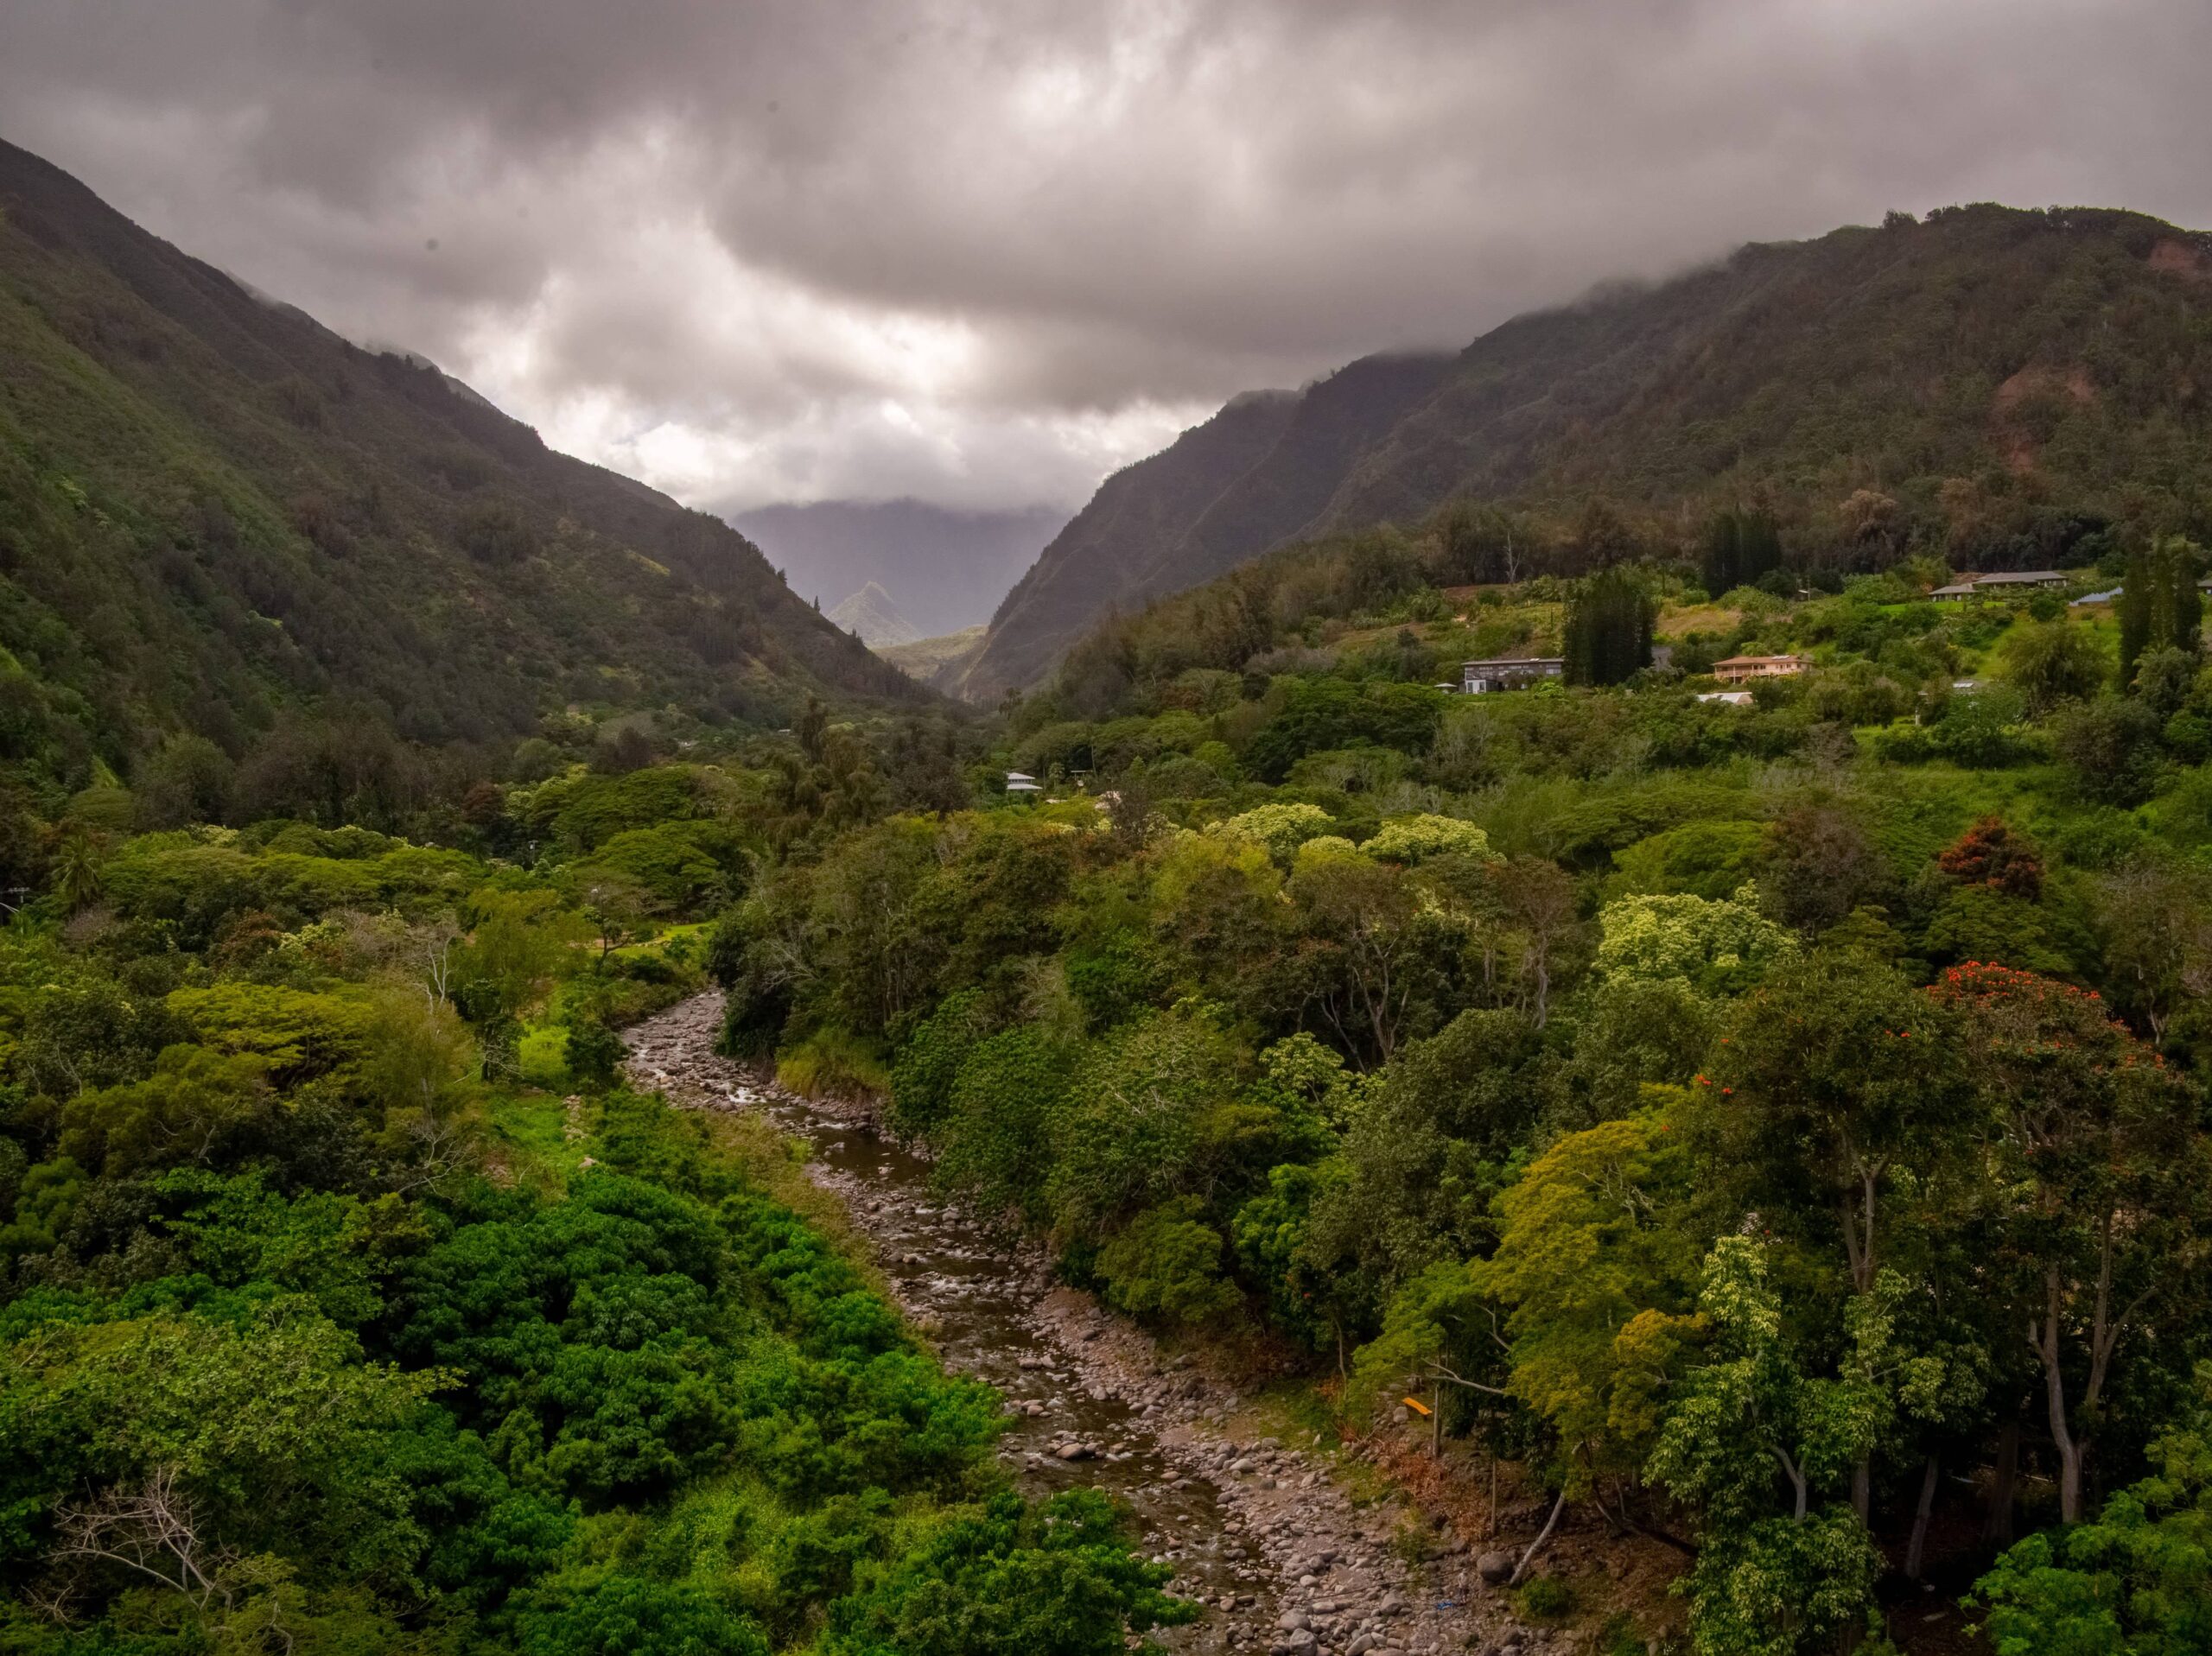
{"x": 1256, "y": 1529}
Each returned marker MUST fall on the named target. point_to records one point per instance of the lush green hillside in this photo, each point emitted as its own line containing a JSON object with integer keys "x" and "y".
{"x": 936, "y": 662}
{"x": 1986, "y": 385}
{"x": 212, "y": 509}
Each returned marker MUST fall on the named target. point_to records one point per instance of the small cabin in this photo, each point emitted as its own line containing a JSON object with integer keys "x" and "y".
{"x": 1516, "y": 673}
{"x": 1741, "y": 670}
{"x": 1020, "y": 782}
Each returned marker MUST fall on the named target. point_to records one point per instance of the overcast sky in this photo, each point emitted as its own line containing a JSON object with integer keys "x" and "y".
{"x": 984, "y": 252}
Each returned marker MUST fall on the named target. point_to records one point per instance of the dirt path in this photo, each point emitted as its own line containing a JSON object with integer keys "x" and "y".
{"x": 1256, "y": 1529}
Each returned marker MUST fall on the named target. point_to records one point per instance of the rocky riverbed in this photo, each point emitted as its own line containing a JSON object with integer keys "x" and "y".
{"x": 1255, "y": 1528}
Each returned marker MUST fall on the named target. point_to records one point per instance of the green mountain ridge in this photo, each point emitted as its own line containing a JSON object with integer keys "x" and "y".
{"x": 213, "y": 511}
{"x": 1987, "y": 383}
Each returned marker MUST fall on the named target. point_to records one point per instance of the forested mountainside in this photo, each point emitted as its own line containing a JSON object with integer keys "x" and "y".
{"x": 1977, "y": 384}
{"x": 215, "y": 512}
{"x": 1256, "y": 473}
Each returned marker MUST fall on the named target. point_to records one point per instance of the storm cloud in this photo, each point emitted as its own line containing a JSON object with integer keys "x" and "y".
{"x": 983, "y": 253}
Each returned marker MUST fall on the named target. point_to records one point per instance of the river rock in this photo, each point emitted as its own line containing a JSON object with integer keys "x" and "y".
{"x": 1495, "y": 1568}
{"x": 1076, "y": 1452}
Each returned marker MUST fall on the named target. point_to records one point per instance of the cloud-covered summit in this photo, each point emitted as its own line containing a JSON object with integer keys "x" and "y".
{"x": 980, "y": 254}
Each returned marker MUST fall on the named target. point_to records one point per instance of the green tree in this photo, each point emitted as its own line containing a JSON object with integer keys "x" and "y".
{"x": 1739, "y": 547}
{"x": 1711, "y": 945}
{"x": 2135, "y": 1582}
{"x": 80, "y": 874}
{"x": 188, "y": 779}
{"x": 1769, "y": 1583}
{"x": 1596, "y": 1284}
{"x": 1414, "y": 839}
{"x": 1165, "y": 1266}
{"x": 2051, "y": 663}
{"x": 2099, "y": 1178}
{"x": 2160, "y": 607}
{"x": 1608, "y": 628}
{"x": 1278, "y": 830}
{"x": 1837, "y": 1082}
{"x": 1012, "y": 1580}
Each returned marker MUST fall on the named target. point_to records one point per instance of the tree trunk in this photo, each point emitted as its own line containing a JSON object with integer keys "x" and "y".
{"x": 1536, "y": 1545}
{"x": 1436, "y": 1421}
{"x": 1997, "y": 1528}
{"x": 2054, "y": 1386}
{"x": 1862, "y": 1489}
{"x": 1916, "y": 1550}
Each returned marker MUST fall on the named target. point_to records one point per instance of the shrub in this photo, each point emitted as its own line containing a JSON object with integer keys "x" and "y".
{"x": 833, "y": 1063}
{"x": 1166, "y": 1267}
{"x": 1411, "y": 839}
{"x": 1277, "y": 829}
{"x": 1547, "y": 1598}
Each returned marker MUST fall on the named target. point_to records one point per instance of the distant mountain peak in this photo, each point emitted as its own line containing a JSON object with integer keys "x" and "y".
{"x": 872, "y": 615}
{"x": 949, "y": 567}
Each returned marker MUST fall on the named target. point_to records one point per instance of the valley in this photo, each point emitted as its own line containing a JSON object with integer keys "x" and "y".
{"x": 1549, "y": 997}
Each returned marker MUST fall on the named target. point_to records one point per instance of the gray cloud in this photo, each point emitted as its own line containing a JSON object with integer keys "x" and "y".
{"x": 981, "y": 253}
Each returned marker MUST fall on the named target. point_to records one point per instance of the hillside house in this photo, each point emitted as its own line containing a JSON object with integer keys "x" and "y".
{"x": 1517, "y": 673}
{"x": 2017, "y": 579}
{"x": 1741, "y": 670}
{"x": 1997, "y": 585}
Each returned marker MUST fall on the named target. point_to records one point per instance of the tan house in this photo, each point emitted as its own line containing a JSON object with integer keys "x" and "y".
{"x": 1741, "y": 670}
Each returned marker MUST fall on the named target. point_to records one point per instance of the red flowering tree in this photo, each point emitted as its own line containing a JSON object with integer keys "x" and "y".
{"x": 2097, "y": 1181}
{"x": 1990, "y": 854}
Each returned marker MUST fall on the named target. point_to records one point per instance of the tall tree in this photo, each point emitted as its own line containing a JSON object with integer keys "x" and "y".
{"x": 1608, "y": 631}
{"x": 2098, "y": 1181}
{"x": 1841, "y": 1082}
{"x": 2160, "y": 607}
{"x": 1739, "y": 547}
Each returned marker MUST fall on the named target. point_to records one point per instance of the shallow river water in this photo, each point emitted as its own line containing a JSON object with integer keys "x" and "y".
{"x": 1250, "y": 1529}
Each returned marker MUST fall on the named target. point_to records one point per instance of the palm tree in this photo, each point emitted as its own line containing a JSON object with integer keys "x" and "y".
{"x": 77, "y": 868}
